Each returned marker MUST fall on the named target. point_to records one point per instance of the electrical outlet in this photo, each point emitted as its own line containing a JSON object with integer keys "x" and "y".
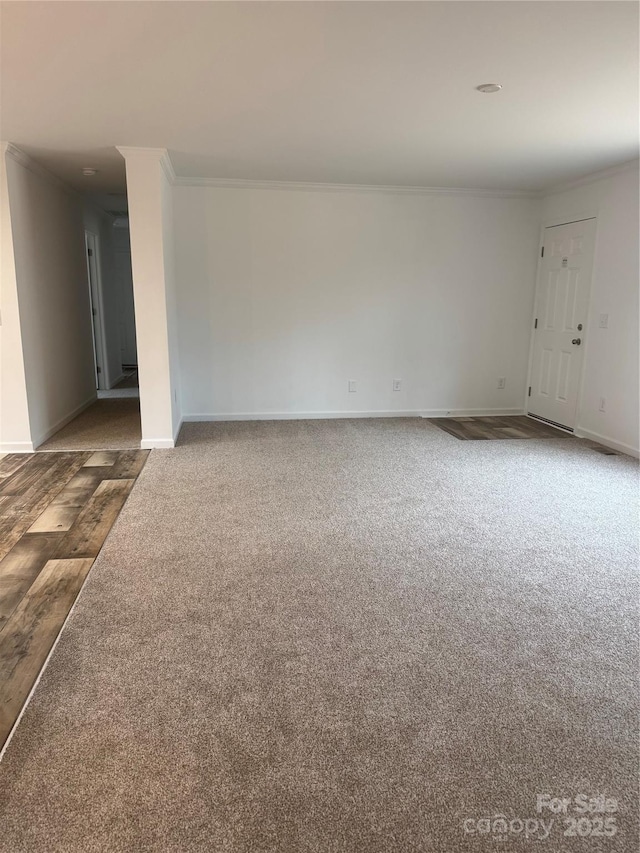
{"x": 502, "y": 381}
{"x": 603, "y": 322}
{"x": 397, "y": 384}
{"x": 603, "y": 405}
{"x": 352, "y": 386}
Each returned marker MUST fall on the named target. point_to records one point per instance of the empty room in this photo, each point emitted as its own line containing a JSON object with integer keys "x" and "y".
{"x": 319, "y": 426}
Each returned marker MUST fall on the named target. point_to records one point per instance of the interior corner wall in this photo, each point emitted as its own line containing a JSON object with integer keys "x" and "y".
{"x": 172, "y": 304}
{"x": 150, "y": 222}
{"x": 15, "y": 433}
{"x": 101, "y": 224}
{"x": 612, "y": 358}
{"x": 53, "y": 298}
{"x": 286, "y": 294}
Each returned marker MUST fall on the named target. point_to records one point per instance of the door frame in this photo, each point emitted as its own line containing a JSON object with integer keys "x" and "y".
{"x": 92, "y": 242}
{"x": 553, "y": 223}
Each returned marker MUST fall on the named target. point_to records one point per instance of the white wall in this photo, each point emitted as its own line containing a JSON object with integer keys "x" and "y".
{"x": 101, "y": 224}
{"x": 149, "y": 199}
{"x": 53, "y": 297}
{"x": 286, "y": 294}
{"x": 611, "y": 357}
{"x": 15, "y": 435}
{"x": 168, "y": 245}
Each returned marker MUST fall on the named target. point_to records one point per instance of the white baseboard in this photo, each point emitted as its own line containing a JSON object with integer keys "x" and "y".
{"x": 297, "y": 416}
{"x": 16, "y": 447}
{"x": 470, "y": 413}
{"x": 64, "y": 421}
{"x": 161, "y": 443}
{"x": 384, "y": 413}
{"x": 607, "y": 442}
{"x": 157, "y": 444}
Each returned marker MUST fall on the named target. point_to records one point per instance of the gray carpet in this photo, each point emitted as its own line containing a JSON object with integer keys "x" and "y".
{"x": 343, "y": 636}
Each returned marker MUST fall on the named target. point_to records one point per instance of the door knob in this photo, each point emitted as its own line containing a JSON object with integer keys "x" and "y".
{"x": 576, "y": 341}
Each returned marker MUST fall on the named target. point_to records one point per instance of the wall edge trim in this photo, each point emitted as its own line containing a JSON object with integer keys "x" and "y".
{"x": 157, "y": 444}
{"x": 160, "y": 154}
{"x": 592, "y": 177}
{"x": 301, "y": 186}
{"x": 204, "y": 417}
{"x": 607, "y": 442}
{"x": 16, "y": 447}
{"x": 23, "y": 159}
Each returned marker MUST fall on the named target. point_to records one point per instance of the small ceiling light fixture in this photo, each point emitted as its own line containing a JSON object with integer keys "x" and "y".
{"x": 89, "y": 171}
{"x": 489, "y": 88}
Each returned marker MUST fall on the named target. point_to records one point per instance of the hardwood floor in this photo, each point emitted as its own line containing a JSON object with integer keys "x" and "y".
{"x": 56, "y": 510}
{"x": 507, "y": 427}
{"x": 488, "y": 428}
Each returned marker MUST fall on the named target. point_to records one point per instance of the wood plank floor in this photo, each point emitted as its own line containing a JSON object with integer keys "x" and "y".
{"x": 507, "y": 427}
{"x": 491, "y": 428}
{"x": 56, "y": 510}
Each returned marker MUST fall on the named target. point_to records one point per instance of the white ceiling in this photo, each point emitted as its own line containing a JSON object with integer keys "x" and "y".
{"x": 361, "y": 92}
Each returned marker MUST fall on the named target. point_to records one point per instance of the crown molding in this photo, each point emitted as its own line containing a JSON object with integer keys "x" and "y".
{"x": 167, "y": 167}
{"x": 159, "y": 154}
{"x": 232, "y": 183}
{"x": 591, "y": 178}
{"x": 133, "y": 150}
{"x": 21, "y": 157}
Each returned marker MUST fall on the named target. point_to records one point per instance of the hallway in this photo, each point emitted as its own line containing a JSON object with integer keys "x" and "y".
{"x": 112, "y": 423}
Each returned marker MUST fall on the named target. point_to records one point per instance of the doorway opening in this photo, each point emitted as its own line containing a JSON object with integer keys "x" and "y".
{"x": 124, "y": 329}
{"x": 112, "y": 421}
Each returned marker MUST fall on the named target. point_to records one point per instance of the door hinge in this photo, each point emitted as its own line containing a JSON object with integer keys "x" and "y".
{"x": 94, "y": 312}
{"x": 529, "y": 390}
{"x": 542, "y": 253}
{"x": 536, "y": 324}
{"x": 99, "y": 369}
{"x": 90, "y": 252}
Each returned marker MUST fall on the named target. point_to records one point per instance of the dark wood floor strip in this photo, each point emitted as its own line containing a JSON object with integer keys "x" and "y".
{"x": 129, "y": 464}
{"x": 508, "y": 427}
{"x": 11, "y": 462}
{"x": 56, "y": 509}
{"x": 17, "y": 515}
{"x": 68, "y": 503}
{"x": 492, "y": 428}
{"x": 28, "y": 636}
{"x": 102, "y": 457}
{"x": 27, "y": 475}
{"x": 21, "y": 567}
{"x": 96, "y": 520}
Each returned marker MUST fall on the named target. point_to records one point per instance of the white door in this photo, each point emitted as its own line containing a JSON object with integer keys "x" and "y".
{"x": 562, "y": 301}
